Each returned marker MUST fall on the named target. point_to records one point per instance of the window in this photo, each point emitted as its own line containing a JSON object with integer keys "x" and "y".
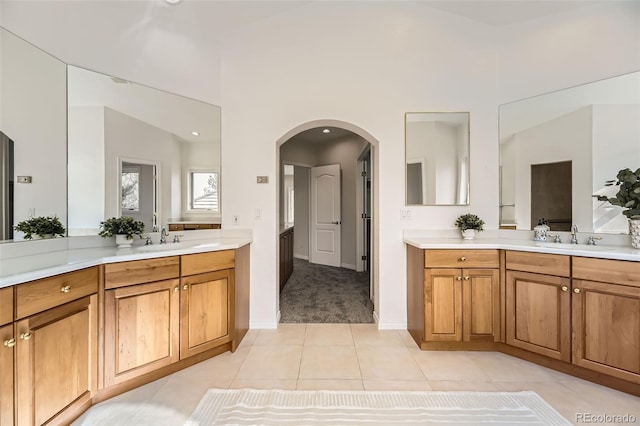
{"x": 204, "y": 191}
{"x": 130, "y": 189}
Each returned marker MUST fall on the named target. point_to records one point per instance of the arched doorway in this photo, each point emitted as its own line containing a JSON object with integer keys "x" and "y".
{"x": 299, "y": 152}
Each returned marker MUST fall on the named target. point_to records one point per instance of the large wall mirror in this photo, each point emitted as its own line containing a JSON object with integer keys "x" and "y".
{"x": 33, "y": 134}
{"x": 558, "y": 149}
{"x": 437, "y": 158}
{"x": 134, "y": 151}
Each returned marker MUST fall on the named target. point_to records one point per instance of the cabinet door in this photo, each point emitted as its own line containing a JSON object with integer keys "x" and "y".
{"x": 56, "y": 363}
{"x": 205, "y": 314}
{"x": 606, "y": 328}
{"x": 481, "y": 305}
{"x": 443, "y": 305}
{"x": 6, "y": 374}
{"x": 141, "y": 329}
{"x": 539, "y": 314}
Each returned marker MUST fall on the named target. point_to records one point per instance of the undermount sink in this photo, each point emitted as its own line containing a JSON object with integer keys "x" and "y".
{"x": 161, "y": 247}
{"x": 568, "y": 246}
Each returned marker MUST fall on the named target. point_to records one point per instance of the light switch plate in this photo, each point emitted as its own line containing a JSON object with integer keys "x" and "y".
{"x": 262, "y": 179}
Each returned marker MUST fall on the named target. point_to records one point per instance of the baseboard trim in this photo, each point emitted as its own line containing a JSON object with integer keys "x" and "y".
{"x": 348, "y": 266}
{"x": 263, "y": 325}
{"x": 391, "y": 325}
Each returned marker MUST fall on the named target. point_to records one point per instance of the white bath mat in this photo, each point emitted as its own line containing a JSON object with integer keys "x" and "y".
{"x": 280, "y": 407}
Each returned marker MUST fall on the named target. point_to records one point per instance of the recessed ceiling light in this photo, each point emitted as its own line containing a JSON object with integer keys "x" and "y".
{"x": 326, "y": 131}
{"x": 173, "y": 1}
{"x": 194, "y": 133}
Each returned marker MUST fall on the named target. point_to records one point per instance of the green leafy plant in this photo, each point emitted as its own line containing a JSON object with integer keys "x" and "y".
{"x": 41, "y": 226}
{"x": 124, "y": 225}
{"x": 628, "y": 196}
{"x": 469, "y": 221}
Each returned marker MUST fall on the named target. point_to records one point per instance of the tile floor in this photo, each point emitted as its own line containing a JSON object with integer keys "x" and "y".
{"x": 351, "y": 357}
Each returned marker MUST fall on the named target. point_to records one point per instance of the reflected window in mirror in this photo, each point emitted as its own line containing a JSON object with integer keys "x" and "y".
{"x": 594, "y": 127}
{"x": 437, "y": 158}
{"x": 204, "y": 195}
{"x": 130, "y": 189}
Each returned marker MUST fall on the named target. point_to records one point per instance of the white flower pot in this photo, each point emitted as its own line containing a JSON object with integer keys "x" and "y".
{"x": 469, "y": 234}
{"x": 122, "y": 241}
{"x": 634, "y": 230}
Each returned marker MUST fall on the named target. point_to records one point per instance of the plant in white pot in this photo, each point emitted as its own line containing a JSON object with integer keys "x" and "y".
{"x": 41, "y": 226}
{"x": 628, "y": 197}
{"x": 124, "y": 228}
{"x": 469, "y": 225}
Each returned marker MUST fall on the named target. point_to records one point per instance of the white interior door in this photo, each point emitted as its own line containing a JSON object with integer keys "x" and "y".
{"x": 325, "y": 215}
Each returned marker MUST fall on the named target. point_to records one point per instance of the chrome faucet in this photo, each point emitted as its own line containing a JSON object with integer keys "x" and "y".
{"x": 574, "y": 234}
{"x": 163, "y": 235}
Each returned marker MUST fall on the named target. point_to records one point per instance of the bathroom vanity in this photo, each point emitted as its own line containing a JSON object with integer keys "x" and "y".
{"x": 86, "y": 330}
{"x": 575, "y": 309}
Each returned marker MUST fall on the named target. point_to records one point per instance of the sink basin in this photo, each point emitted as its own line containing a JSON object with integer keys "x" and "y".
{"x": 162, "y": 247}
{"x": 568, "y": 246}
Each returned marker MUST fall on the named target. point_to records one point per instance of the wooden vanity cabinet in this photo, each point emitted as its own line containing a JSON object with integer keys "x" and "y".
{"x": 461, "y": 297}
{"x": 141, "y": 326}
{"x": 207, "y": 301}
{"x": 538, "y": 303}
{"x": 7, "y": 337}
{"x": 606, "y": 317}
{"x": 56, "y": 347}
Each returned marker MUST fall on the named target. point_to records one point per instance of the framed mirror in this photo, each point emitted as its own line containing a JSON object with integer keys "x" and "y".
{"x": 437, "y": 158}
{"x": 119, "y": 130}
{"x": 559, "y": 148}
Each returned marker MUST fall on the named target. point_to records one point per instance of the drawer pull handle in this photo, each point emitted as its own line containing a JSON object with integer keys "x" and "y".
{"x": 576, "y": 290}
{"x": 65, "y": 289}
{"x": 459, "y": 278}
{"x": 25, "y": 336}
{"x": 462, "y": 259}
{"x": 467, "y": 278}
{"x": 564, "y": 288}
{"x": 10, "y": 343}
{"x": 185, "y": 287}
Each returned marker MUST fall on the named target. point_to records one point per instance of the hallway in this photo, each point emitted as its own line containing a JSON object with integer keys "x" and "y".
{"x": 325, "y": 294}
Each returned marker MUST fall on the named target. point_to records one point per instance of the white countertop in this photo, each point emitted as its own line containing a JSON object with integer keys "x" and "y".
{"x": 21, "y": 269}
{"x": 599, "y": 251}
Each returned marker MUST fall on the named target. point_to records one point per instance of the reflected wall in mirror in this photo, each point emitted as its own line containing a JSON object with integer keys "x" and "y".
{"x": 33, "y": 114}
{"x": 115, "y": 125}
{"x": 595, "y": 127}
{"x": 437, "y": 158}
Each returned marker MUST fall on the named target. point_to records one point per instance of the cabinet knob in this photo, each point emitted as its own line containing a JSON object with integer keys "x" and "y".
{"x": 65, "y": 289}
{"x": 564, "y": 288}
{"x": 576, "y": 290}
{"x": 25, "y": 336}
{"x": 10, "y": 343}
{"x": 467, "y": 278}
{"x": 185, "y": 287}
{"x": 175, "y": 290}
{"x": 462, "y": 259}
{"x": 459, "y": 278}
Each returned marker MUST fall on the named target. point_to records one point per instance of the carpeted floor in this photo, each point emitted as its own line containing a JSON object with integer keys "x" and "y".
{"x": 325, "y": 294}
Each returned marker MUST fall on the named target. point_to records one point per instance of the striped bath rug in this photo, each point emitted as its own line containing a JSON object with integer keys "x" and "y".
{"x": 282, "y": 407}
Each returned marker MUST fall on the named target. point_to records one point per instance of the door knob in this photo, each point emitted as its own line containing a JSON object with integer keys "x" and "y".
{"x": 337, "y": 222}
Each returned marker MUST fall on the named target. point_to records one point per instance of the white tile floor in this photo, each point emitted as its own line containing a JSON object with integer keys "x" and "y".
{"x": 351, "y": 357}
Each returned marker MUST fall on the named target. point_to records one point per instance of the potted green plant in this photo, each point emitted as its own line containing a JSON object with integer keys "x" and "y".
{"x": 628, "y": 197}
{"x": 124, "y": 228}
{"x": 469, "y": 225}
{"x": 41, "y": 226}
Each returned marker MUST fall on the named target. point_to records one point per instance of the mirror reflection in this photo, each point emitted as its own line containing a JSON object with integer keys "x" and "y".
{"x": 437, "y": 158}
{"x": 139, "y": 151}
{"x": 558, "y": 149}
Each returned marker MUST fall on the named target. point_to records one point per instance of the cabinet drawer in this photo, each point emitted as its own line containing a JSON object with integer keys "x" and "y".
{"x": 141, "y": 271}
{"x": 539, "y": 263}
{"x": 207, "y": 262}
{"x": 40, "y": 295}
{"x": 192, "y": 226}
{"x": 176, "y": 227}
{"x": 6, "y": 305}
{"x": 461, "y": 259}
{"x": 607, "y": 270}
